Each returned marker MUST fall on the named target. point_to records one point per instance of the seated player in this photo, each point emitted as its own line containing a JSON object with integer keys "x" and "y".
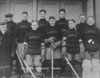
{"x": 91, "y": 39}
{"x": 71, "y": 43}
{"x": 34, "y": 48}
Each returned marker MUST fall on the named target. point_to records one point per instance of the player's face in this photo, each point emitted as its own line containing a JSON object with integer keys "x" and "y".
{"x": 34, "y": 26}
{"x": 24, "y": 16}
{"x": 71, "y": 25}
{"x": 82, "y": 18}
{"x": 62, "y": 14}
{"x": 9, "y": 18}
{"x": 52, "y": 22}
{"x": 90, "y": 21}
{"x": 42, "y": 15}
{"x": 3, "y": 27}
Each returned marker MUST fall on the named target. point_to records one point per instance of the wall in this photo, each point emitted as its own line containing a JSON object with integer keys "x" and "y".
{"x": 97, "y": 8}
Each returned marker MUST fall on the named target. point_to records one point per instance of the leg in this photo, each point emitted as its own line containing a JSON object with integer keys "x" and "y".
{"x": 57, "y": 56}
{"x": 47, "y": 62}
{"x": 29, "y": 61}
{"x": 37, "y": 64}
{"x": 95, "y": 65}
{"x": 87, "y": 66}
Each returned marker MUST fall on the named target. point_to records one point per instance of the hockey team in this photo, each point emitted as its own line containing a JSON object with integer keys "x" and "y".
{"x": 45, "y": 47}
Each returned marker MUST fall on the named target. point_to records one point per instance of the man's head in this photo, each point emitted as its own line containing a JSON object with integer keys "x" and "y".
{"x": 8, "y": 16}
{"x": 42, "y": 13}
{"x": 3, "y": 26}
{"x": 24, "y": 15}
{"x": 62, "y": 13}
{"x": 52, "y": 21}
{"x": 82, "y": 18}
{"x": 71, "y": 24}
{"x": 90, "y": 20}
{"x": 34, "y": 25}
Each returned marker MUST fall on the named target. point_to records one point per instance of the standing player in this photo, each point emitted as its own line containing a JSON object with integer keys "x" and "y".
{"x": 82, "y": 25}
{"x": 43, "y": 23}
{"x": 22, "y": 28}
{"x": 62, "y": 23}
{"x": 91, "y": 39}
{"x": 71, "y": 43}
{"x": 53, "y": 41}
{"x": 35, "y": 48}
{"x": 5, "y": 51}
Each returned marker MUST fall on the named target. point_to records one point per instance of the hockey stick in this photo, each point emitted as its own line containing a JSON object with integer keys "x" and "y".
{"x": 23, "y": 68}
{"x": 52, "y": 63}
{"x": 29, "y": 69}
{"x": 71, "y": 67}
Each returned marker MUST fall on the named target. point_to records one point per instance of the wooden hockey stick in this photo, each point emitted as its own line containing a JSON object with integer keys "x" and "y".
{"x": 33, "y": 75}
{"x": 72, "y": 67}
{"x": 52, "y": 64}
{"x": 23, "y": 68}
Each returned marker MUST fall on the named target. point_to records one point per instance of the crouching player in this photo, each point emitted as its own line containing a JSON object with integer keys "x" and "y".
{"x": 71, "y": 43}
{"x": 35, "y": 48}
{"x": 91, "y": 38}
{"x": 52, "y": 42}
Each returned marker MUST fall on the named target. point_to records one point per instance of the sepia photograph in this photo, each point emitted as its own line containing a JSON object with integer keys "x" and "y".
{"x": 49, "y": 38}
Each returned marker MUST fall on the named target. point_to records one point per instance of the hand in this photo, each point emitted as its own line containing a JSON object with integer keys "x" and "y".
{"x": 12, "y": 55}
{"x": 82, "y": 56}
{"x": 63, "y": 55}
{"x": 53, "y": 46}
{"x": 51, "y": 39}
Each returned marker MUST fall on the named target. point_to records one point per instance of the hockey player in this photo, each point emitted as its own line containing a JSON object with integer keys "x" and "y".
{"x": 6, "y": 48}
{"x": 91, "y": 39}
{"x": 35, "y": 48}
{"x": 62, "y": 23}
{"x": 82, "y": 25}
{"x": 22, "y": 28}
{"x": 71, "y": 43}
{"x": 43, "y": 23}
{"x": 53, "y": 41}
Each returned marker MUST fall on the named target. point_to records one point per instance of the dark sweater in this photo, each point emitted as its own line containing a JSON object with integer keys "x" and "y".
{"x": 72, "y": 41}
{"x": 62, "y": 24}
{"x": 34, "y": 39}
{"x": 21, "y": 30}
{"x": 91, "y": 38}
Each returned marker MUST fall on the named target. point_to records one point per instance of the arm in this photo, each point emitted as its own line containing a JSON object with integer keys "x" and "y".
{"x": 64, "y": 49}
{"x": 43, "y": 51}
{"x": 25, "y": 43}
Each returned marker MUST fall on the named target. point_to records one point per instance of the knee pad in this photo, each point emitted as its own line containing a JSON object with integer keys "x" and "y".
{"x": 38, "y": 69}
{"x": 37, "y": 61}
{"x": 29, "y": 60}
{"x": 87, "y": 66}
{"x": 95, "y": 65}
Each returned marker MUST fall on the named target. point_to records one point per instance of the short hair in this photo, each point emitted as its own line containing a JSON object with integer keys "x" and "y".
{"x": 42, "y": 10}
{"x": 34, "y": 21}
{"x": 25, "y": 12}
{"x": 72, "y": 20}
{"x": 82, "y": 15}
{"x": 62, "y": 10}
{"x": 91, "y": 17}
{"x": 51, "y": 17}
